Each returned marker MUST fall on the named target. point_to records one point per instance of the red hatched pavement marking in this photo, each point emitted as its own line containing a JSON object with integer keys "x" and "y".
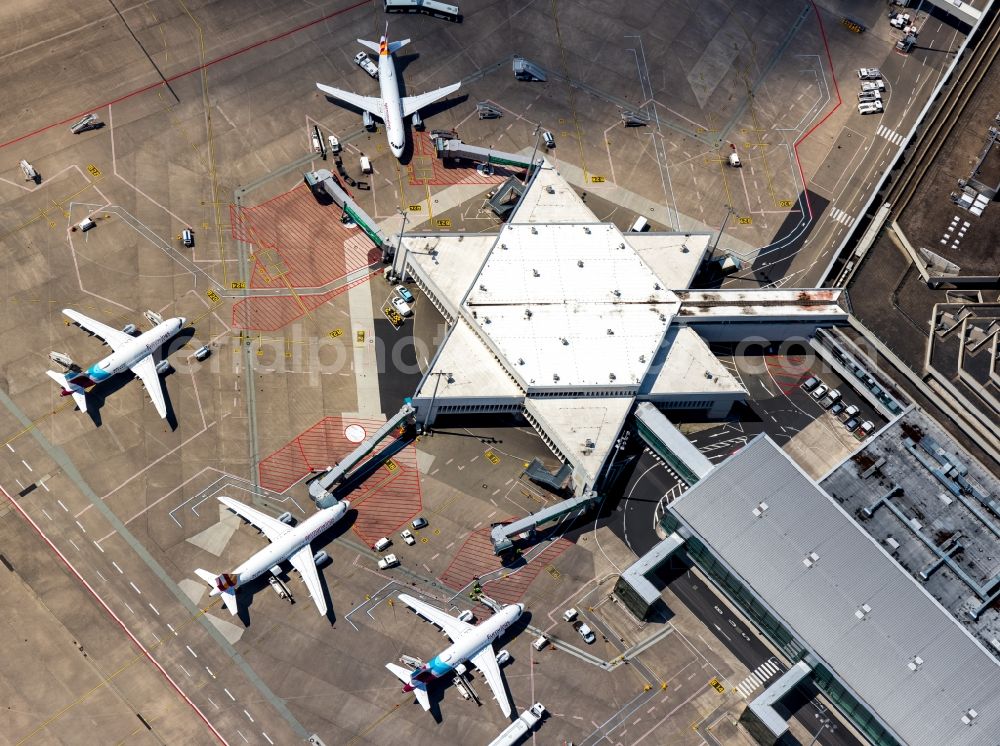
{"x": 387, "y": 499}
{"x": 114, "y": 616}
{"x": 787, "y": 372}
{"x": 270, "y": 313}
{"x": 299, "y": 242}
{"x": 476, "y": 558}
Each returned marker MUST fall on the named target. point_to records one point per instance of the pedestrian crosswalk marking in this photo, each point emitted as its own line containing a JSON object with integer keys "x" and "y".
{"x": 757, "y": 678}
{"x": 842, "y": 217}
{"x": 891, "y": 135}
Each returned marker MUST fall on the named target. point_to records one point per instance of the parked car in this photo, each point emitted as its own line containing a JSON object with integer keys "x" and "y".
{"x": 820, "y": 391}
{"x": 408, "y": 537}
{"x": 382, "y": 544}
{"x": 401, "y": 306}
{"x": 866, "y": 428}
{"x": 837, "y": 408}
{"x": 404, "y": 293}
{"x": 569, "y": 615}
{"x": 419, "y": 523}
{"x": 586, "y": 633}
{"x": 832, "y": 398}
{"x": 810, "y": 383}
{"x": 851, "y": 411}
{"x": 852, "y": 424}
{"x": 390, "y": 560}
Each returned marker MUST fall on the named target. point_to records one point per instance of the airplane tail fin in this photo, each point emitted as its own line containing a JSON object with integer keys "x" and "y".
{"x": 228, "y": 596}
{"x": 417, "y": 687}
{"x": 69, "y": 388}
{"x": 372, "y": 45}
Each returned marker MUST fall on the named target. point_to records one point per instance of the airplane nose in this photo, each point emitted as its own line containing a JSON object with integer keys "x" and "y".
{"x": 346, "y": 504}
{"x": 183, "y": 321}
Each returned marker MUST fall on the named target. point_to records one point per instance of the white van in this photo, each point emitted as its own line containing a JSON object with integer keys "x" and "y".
{"x": 639, "y": 225}
{"x": 382, "y": 544}
{"x": 540, "y": 642}
{"x": 870, "y": 107}
{"x": 550, "y": 141}
{"x": 366, "y": 165}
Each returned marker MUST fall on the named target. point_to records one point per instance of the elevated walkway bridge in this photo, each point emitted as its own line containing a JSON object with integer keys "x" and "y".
{"x": 502, "y": 534}
{"x": 323, "y": 182}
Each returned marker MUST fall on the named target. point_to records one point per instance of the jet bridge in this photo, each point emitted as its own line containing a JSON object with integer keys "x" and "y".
{"x": 455, "y": 148}
{"x": 322, "y": 487}
{"x": 322, "y": 182}
{"x": 501, "y": 534}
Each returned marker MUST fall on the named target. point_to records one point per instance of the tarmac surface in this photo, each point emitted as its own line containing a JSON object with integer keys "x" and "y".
{"x": 206, "y": 125}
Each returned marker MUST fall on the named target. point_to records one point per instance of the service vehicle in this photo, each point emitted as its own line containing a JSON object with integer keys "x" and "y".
{"x": 382, "y": 544}
{"x": 408, "y": 537}
{"x": 549, "y": 139}
{"x": 335, "y": 146}
{"x": 401, "y": 306}
{"x": 870, "y": 107}
{"x": 869, "y": 73}
{"x": 187, "y": 238}
{"x": 873, "y": 85}
{"x": 569, "y": 615}
{"x": 366, "y": 165}
{"x": 587, "y": 634}
{"x": 390, "y": 560}
{"x": 640, "y": 225}
{"x": 365, "y": 63}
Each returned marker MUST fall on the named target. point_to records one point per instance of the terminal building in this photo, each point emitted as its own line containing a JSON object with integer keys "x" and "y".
{"x": 837, "y": 605}
{"x": 567, "y": 321}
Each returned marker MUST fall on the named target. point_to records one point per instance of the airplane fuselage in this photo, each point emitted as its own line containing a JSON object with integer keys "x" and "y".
{"x": 132, "y": 352}
{"x": 285, "y": 546}
{"x": 468, "y": 645}
{"x": 392, "y": 103}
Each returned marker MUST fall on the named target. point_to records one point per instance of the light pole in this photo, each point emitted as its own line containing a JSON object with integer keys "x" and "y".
{"x": 729, "y": 211}
{"x": 538, "y": 129}
{"x": 423, "y": 426}
{"x": 399, "y": 244}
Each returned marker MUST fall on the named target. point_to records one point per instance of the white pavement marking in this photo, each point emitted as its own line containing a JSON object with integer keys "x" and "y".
{"x": 81, "y": 527}
{"x": 99, "y": 547}
{"x": 171, "y": 628}
{"x": 184, "y": 670}
{"x": 74, "y": 545}
{"x": 154, "y": 609}
{"x": 44, "y": 487}
{"x": 210, "y": 672}
{"x": 243, "y": 737}
{"x": 10, "y": 447}
{"x": 46, "y": 514}
{"x": 61, "y": 505}
{"x": 229, "y": 693}
{"x": 191, "y": 651}
{"x": 267, "y": 737}
{"x": 249, "y": 716}
{"x": 27, "y": 465}
{"x": 135, "y": 587}
{"x": 101, "y": 576}
{"x": 117, "y": 568}
{"x": 129, "y": 608}
{"x": 213, "y": 703}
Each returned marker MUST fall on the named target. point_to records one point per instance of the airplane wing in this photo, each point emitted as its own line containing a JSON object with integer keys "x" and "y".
{"x": 485, "y": 660}
{"x": 145, "y": 369}
{"x": 452, "y": 627}
{"x": 113, "y": 337}
{"x": 272, "y": 527}
{"x": 412, "y": 104}
{"x": 302, "y": 561}
{"x": 368, "y": 103}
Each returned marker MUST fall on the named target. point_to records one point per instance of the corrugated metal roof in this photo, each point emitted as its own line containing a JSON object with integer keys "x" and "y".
{"x": 871, "y": 655}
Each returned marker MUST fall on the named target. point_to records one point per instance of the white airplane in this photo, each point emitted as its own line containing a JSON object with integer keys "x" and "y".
{"x": 287, "y": 543}
{"x": 128, "y": 353}
{"x": 390, "y": 108}
{"x": 470, "y": 642}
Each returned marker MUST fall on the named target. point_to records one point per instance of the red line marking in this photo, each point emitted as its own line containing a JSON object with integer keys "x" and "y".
{"x": 114, "y": 616}
{"x": 195, "y": 69}
{"x": 840, "y": 101}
